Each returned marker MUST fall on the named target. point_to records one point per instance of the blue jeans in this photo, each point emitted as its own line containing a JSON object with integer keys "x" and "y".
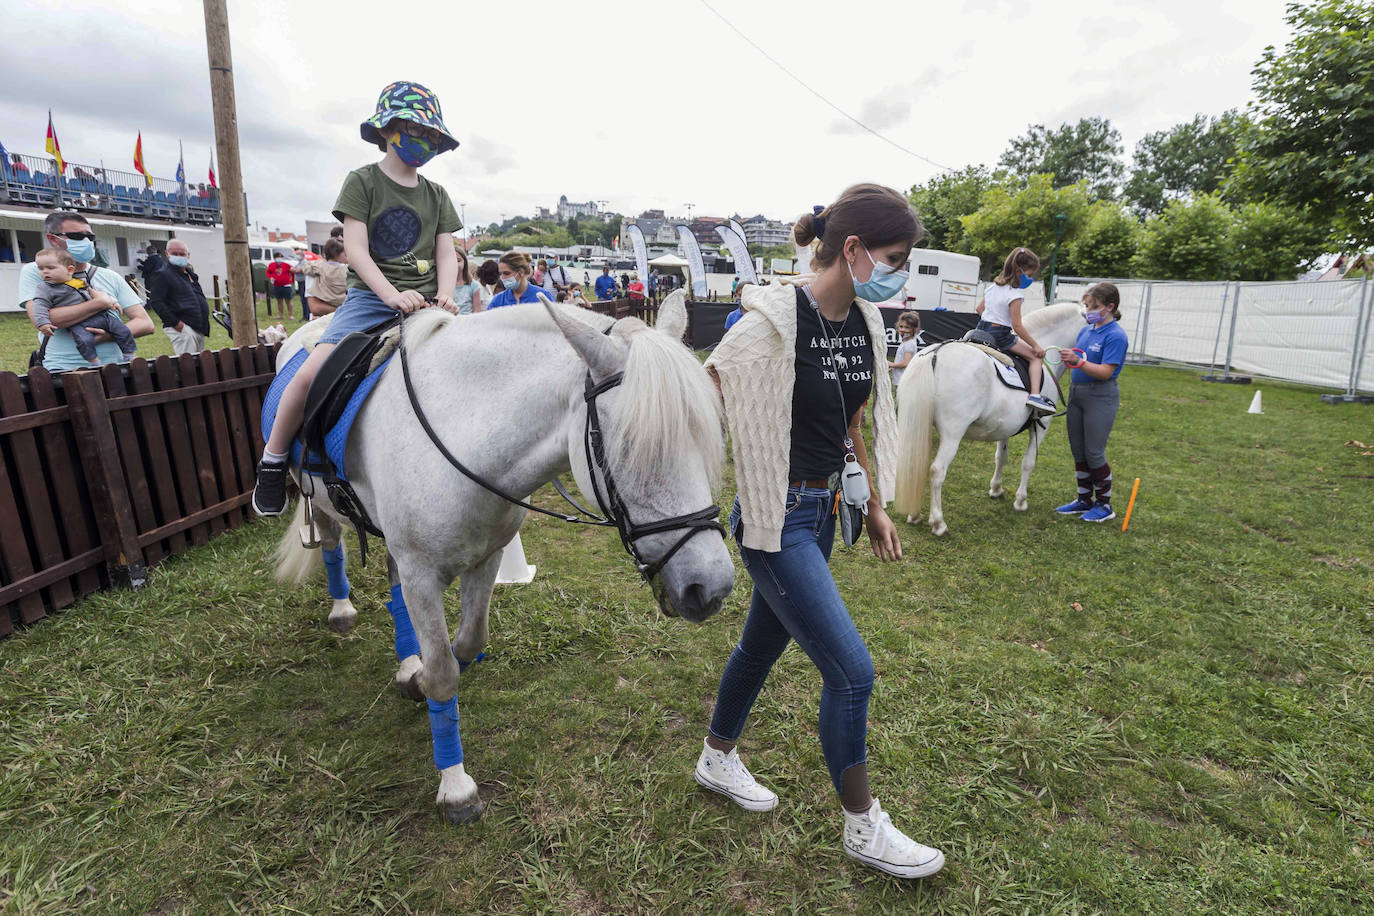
{"x": 362, "y": 310}
{"x": 795, "y": 598}
{"x": 1002, "y": 336}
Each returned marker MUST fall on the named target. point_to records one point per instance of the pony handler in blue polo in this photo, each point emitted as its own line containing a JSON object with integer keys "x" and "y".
{"x": 1093, "y": 401}
{"x": 398, "y": 233}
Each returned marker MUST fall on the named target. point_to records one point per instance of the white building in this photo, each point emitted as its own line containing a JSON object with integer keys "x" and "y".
{"x": 759, "y": 230}
{"x": 568, "y": 210}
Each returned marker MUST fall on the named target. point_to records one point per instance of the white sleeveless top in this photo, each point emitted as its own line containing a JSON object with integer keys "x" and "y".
{"x": 997, "y": 302}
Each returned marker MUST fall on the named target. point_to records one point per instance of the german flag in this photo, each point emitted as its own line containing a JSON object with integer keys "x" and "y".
{"x": 54, "y": 148}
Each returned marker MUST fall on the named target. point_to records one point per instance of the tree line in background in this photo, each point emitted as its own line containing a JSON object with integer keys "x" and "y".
{"x": 544, "y": 233}
{"x": 1253, "y": 195}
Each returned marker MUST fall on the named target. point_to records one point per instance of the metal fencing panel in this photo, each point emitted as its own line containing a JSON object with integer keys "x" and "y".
{"x": 1299, "y": 332}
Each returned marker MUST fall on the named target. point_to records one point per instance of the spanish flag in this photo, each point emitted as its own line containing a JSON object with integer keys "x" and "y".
{"x": 138, "y": 160}
{"x": 53, "y": 148}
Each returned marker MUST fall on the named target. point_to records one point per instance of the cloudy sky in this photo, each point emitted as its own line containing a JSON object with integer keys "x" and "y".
{"x": 641, "y": 103}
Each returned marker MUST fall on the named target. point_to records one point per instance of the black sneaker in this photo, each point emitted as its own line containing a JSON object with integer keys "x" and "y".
{"x": 269, "y": 496}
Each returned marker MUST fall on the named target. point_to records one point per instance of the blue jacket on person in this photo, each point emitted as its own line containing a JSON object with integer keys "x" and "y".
{"x": 174, "y": 293}
{"x": 605, "y": 287}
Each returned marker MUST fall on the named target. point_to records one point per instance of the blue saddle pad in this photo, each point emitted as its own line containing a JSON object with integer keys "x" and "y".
{"x": 336, "y": 440}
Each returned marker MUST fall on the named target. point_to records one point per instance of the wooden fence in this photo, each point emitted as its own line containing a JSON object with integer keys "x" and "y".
{"x": 106, "y": 472}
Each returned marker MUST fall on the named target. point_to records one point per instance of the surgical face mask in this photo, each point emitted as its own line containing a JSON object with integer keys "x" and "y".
{"x": 1093, "y": 318}
{"x": 413, "y": 151}
{"x": 178, "y": 260}
{"x": 885, "y": 282}
{"x": 81, "y": 250}
{"x": 510, "y": 282}
{"x": 1026, "y": 281}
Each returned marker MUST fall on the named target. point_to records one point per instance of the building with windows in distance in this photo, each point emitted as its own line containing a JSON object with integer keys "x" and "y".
{"x": 567, "y": 210}
{"x": 760, "y": 230}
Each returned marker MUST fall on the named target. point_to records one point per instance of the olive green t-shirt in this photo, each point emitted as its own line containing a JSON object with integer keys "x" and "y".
{"x": 401, "y": 225}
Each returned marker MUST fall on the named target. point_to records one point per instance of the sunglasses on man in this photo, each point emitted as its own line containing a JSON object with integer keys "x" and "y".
{"x": 74, "y": 236}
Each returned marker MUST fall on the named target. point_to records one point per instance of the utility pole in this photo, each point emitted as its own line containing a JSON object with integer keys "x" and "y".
{"x": 689, "y": 211}
{"x": 463, "y": 218}
{"x": 235, "y": 209}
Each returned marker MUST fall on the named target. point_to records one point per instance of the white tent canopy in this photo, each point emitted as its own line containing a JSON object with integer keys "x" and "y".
{"x": 668, "y": 260}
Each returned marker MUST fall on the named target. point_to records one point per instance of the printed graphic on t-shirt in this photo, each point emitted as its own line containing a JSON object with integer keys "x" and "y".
{"x": 394, "y": 232}
{"x": 845, "y": 354}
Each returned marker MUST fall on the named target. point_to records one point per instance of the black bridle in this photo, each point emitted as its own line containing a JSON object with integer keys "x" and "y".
{"x": 615, "y": 513}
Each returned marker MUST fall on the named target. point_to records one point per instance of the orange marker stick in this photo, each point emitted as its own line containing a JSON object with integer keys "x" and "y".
{"x": 1130, "y": 505}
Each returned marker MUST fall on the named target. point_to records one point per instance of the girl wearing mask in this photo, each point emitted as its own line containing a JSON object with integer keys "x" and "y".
{"x": 467, "y": 295}
{"x": 794, "y": 373}
{"x": 1001, "y": 317}
{"x": 514, "y": 270}
{"x": 1093, "y": 401}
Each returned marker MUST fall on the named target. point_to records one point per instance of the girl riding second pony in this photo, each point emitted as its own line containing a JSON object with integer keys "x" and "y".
{"x": 1000, "y": 313}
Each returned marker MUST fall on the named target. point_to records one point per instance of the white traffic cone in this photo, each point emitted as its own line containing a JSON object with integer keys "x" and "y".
{"x": 1255, "y": 404}
{"x": 514, "y": 570}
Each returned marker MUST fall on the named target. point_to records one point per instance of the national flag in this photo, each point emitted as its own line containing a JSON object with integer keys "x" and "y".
{"x": 181, "y": 165}
{"x": 213, "y": 183}
{"x": 138, "y": 160}
{"x": 53, "y": 148}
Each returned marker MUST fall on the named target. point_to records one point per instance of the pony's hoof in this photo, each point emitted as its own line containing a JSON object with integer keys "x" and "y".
{"x": 408, "y": 679}
{"x": 939, "y": 530}
{"x": 1020, "y": 505}
{"x": 997, "y": 493}
{"x": 343, "y": 616}
{"x": 457, "y": 813}
{"x": 913, "y": 519}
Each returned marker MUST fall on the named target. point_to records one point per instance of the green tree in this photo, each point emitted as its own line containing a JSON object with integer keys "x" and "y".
{"x": 944, "y": 200}
{"x": 1105, "y": 244}
{"x": 1089, "y": 151}
{"x": 1194, "y": 157}
{"x": 1270, "y": 242}
{"x": 1190, "y": 240}
{"x": 1313, "y": 143}
{"x": 1009, "y": 217}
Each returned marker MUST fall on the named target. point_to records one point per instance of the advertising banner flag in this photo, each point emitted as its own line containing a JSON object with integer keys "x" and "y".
{"x": 641, "y": 251}
{"x": 744, "y": 265}
{"x": 694, "y": 263}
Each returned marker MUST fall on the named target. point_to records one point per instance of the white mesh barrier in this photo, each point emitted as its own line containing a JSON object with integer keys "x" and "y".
{"x": 1311, "y": 332}
{"x": 1300, "y": 332}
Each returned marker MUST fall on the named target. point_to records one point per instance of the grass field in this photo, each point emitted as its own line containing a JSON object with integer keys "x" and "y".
{"x": 1174, "y": 720}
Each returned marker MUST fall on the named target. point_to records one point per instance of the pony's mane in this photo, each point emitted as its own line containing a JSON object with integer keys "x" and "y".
{"x": 1043, "y": 318}
{"x": 669, "y": 402}
{"x": 672, "y": 406}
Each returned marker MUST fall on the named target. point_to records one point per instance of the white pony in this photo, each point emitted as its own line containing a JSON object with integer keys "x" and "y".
{"x": 955, "y": 388}
{"x": 504, "y": 392}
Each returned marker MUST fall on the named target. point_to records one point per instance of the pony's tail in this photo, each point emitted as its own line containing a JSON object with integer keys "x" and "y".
{"x": 295, "y": 563}
{"x": 915, "y": 417}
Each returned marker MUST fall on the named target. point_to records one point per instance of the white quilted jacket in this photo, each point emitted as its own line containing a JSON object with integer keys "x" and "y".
{"x": 756, "y": 363}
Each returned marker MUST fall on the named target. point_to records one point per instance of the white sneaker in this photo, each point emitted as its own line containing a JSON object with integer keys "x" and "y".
{"x": 871, "y": 838}
{"x": 727, "y": 774}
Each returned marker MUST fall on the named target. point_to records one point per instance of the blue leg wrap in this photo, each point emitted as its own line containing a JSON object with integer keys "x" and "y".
{"x": 407, "y": 643}
{"x": 463, "y": 666}
{"x": 334, "y": 569}
{"x": 443, "y": 727}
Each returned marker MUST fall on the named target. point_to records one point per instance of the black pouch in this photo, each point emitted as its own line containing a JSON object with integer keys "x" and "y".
{"x": 36, "y": 356}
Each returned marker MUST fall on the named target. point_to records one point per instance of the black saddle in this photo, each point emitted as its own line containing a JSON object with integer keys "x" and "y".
{"x": 334, "y": 384}
{"x": 1019, "y": 362}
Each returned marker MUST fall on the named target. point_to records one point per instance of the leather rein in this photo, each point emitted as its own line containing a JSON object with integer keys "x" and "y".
{"x": 615, "y": 514}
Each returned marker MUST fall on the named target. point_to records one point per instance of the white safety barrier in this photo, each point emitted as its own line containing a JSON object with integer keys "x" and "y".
{"x": 1312, "y": 332}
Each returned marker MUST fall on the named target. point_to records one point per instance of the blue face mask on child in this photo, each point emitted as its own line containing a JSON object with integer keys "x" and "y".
{"x": 885, "y": 282}
{"x": 1026, "y": 281}
{"x": 413, "y": 151}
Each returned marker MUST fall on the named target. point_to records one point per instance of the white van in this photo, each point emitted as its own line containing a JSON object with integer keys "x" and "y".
{"x": 940, "y": 280}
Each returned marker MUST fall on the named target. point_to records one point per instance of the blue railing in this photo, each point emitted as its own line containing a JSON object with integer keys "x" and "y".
{"x": 33, "y": 180}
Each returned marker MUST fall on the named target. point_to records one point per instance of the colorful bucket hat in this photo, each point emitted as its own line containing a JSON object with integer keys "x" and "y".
{"x": 412, "y": 102}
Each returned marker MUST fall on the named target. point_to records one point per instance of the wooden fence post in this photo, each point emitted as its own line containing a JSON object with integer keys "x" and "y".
{"x": 100, "y": 458}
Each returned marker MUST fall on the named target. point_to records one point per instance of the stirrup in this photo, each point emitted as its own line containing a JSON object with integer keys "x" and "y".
{"x": 309, "y": 534}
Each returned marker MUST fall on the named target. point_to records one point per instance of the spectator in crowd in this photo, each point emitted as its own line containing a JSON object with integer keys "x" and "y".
{"x": 303, "y": 281}
{"x": 635, "y": 288}
{"x": 586, "y": 278}
{"x": 540, "y": 269}
{"x": 174, "y": 293}
{"x": 71, "y": 231}
{"x": 61, "y": 287}
{"x": 17, "y": 165}
{"x": 605, "y": 284}
{"x": 909, "y": 330}
{"x": 624, "y": 283}
{"x": 150, "y": 264}
{"x": 489, "y": 275}
{"x": 515, "y": 277}
{"x": 329, "y": 279}
{"x": 734, "y": 286}
{"x": 6, "y": 252}
{"x": 556, "y": 278}
{"x": 337, "y": 233}
{"x": 467, "y": 295}
{"x": 282, "y": 277}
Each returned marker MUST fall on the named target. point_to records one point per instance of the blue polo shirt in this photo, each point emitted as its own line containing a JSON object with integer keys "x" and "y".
{"x": 506, "y": 297}
{"x": 1105, "y": 343}
{"x": 605, "y": 287}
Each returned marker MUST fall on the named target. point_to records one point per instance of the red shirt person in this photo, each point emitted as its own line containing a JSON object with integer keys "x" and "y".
{"x": 283, "y": 279}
